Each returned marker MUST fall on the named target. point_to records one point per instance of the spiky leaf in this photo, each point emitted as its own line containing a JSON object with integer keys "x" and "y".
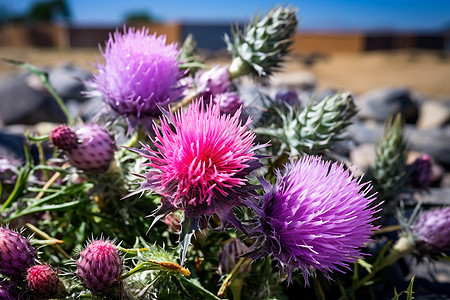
{"x": 389, "y": 171}
{"x": 261, "y": 47}
{"x": 315, "y": 128}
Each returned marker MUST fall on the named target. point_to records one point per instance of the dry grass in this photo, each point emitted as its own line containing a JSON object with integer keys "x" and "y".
{"x": 424, "y": 72}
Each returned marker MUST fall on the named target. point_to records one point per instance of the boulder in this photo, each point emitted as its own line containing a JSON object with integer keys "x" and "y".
{"x": 434, "y": 114}
{"x": 380, "y": 104}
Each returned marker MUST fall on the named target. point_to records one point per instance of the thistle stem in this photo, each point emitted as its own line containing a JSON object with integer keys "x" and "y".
{"x": 243, "y": 261}
{"x": 47, "y": 237}
{"x": 201, "y": 290}
{"x": 43, "y": 77}
{"x": 401, "y": 248}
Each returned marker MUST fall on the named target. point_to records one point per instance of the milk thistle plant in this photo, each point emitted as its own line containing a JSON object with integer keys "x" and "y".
{"x": 207, "y": 204}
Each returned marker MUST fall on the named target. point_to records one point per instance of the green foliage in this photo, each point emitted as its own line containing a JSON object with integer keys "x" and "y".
{"x": 389, "y": 171}
{"x": 314, "y": 129}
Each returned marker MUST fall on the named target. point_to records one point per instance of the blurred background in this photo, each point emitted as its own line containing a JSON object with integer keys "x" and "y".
{"x": 352, "y": 45}
{"x": 380, "y": 50}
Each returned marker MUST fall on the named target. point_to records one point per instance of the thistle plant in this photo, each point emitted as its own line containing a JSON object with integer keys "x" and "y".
{"x": 263, "y": 44}
{"x": 420, "y": 172}
{"x": 389, "y": 172}
{"x": 210, "y": 211}
{"x": 314, "y": 129}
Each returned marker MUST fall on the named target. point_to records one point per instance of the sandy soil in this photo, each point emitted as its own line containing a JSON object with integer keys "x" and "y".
{"x": 424, "y": 72}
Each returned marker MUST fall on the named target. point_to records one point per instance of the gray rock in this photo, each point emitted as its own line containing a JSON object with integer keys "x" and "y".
{"x": 380, "y": 104}
{"x": 297, "y": 80}
{"x": 434, "y": 114}
{"x": 22, "y": 104}
{"x": 434, "y": 196}
{"x": 434, "y": 142}
{"x": 363, "y": 156}
{"x": 68, "y": 81}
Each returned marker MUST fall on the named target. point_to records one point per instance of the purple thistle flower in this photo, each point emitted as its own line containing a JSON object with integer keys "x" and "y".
{"x": 8, "y": 168}
{"x": 8, "y": 292}
{"x": 140, "y": 72}
{"x": 289, "y": 97}
{"x": 99, "y": 265}
{"x": 420, "y": 172}
{"x": 213, "y": 81}
{"x": 16, "y": 253}
{"x": 315, "y": 217}
{"x": 229, "y": 102}
{"x": 432, "y": 229}
{"x": 89, "y": 148}
{"x": 201, "y": 162}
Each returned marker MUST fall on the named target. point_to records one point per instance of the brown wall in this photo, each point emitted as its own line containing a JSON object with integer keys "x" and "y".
{"x": 33, "y": 35}
{"x": 48, "y": 35}
{"x": 328, "y": 42}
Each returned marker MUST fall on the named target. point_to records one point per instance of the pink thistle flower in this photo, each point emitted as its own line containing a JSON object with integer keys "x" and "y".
{"x": 316, "y": 217}
{"x": 140, "y": 72}
{"x": 43, "y": 281}
{"x": 200, "y": 162}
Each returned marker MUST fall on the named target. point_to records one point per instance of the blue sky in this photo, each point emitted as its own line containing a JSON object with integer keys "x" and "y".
{"x": 313, "y": 14}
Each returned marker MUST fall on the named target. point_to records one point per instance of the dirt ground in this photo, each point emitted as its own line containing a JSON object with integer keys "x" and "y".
{"x": 425, "y": 72}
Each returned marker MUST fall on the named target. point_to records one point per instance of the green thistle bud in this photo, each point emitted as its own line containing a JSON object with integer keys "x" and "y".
{"x": 188, "y": 49}
{"x": 389, "y": 172}
{"x": 261, "y": 47}
{"x": 315, "y": 128}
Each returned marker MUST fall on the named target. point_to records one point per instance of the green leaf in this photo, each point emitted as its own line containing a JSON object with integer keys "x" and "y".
{"x": 50, "y": 207}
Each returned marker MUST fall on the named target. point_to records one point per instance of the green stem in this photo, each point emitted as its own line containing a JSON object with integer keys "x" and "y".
{"x": 243, "y": 261}
{"x": 47, "y": 237}
{"x": 138, "y": 135}
{"x": 43, "y": 77}
{"x": 201, "y": 290}
{"x": 42, "y": 159}
{"x": 402, "y": 247}
{"x": 59, "y": 101}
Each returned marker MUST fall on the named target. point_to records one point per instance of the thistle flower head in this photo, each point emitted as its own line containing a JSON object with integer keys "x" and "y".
{"x": 201, "y": 161}
{"x": 140, "y": 72}
{"x": 89, "y": 148}
{"x": 316, "y": 217}
{"x": 432, "y": 229}
{"x": 8, "y": 292}
{"x": 63, "y": 137}
{"x": 43, "y": 281}
{"x": 16, "y": 253}
{"x": 213, "y": 81}
{"x": 99, "y": 265}
{"x": 8, "y": 168}
{"x": 229, "y": 102}
{"x": 314, "y": 129}
{"x": 420, "y": 172}
{"x": 261, "y": 47}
